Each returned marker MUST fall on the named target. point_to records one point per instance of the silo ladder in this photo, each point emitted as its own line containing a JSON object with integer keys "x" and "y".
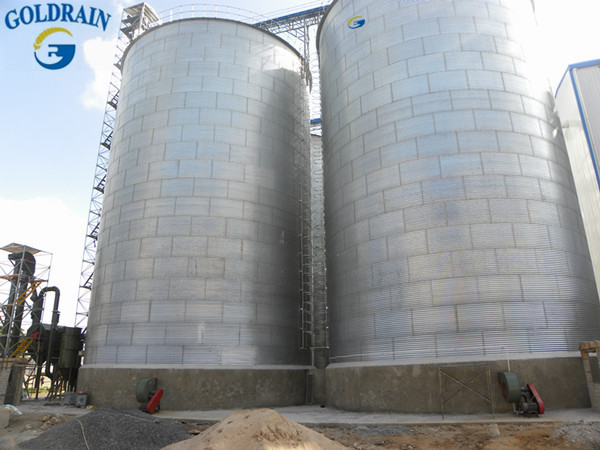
{"x": 34, "y": 285}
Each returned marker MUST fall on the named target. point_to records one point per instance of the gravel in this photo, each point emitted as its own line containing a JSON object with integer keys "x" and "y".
{"x": 582, "y": 433}
{"x": 111, "y": 428}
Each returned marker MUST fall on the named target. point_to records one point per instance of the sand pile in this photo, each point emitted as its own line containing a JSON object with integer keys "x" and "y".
{"x": 257, "y": 429}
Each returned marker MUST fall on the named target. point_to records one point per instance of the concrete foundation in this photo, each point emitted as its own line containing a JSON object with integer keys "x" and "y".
{"x": 458, "y": 387}
{"x": 12, "y": 371}
{"x": 4, "y": 417}
{"x": 316, "y": 387}
{"x": 197, "y": 388}
{"x": 449, "y": 387}
{"x": 591, "y": 368}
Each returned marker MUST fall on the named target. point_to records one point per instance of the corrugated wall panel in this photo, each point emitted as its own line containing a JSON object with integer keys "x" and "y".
{"x": 199, "y": 236}
{"x": 474, "y": 236}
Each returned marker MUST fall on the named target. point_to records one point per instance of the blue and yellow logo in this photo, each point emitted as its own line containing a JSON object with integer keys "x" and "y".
{"x": 356, "y": 22}
{"x": 53, "y": 56}
{"x": 54, "y": 48}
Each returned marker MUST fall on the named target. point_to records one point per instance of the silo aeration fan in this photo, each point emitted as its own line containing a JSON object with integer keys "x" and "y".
{"x": 526, "y": 399}
{"x": 148, "y": 396}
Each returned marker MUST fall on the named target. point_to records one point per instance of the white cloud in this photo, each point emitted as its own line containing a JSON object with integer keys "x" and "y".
{"x": 99, "y": 55}
{"x": 48, "y": 224}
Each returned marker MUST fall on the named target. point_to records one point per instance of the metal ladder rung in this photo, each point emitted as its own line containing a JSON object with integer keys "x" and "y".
{"x": 22, "y": 347}
{"x": 34, "y": 285}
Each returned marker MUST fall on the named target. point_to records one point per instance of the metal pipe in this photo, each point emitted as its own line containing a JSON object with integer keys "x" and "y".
{"x": 53, "y": 326}
{"x": 37, "y": 308}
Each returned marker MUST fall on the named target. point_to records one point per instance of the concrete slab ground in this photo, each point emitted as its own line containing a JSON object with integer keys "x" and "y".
{"x": 316, "y": 415}
{"x": 43, "y": 406}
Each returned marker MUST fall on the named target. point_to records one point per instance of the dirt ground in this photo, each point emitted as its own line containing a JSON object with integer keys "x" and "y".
{"x": 491, "y": 436}
{"x": 479, "y": 436}
{"x": 28, "y": 426}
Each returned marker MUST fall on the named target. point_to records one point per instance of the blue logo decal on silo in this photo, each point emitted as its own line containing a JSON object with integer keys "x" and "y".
{"x": 356, "y": 22}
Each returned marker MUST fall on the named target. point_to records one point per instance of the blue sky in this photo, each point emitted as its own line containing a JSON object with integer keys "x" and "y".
{"x": 51, "y": 119}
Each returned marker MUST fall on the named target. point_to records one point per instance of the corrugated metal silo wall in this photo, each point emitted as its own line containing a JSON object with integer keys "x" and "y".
{"x": 453, "y": 227}
{"x": 198, "y": 259}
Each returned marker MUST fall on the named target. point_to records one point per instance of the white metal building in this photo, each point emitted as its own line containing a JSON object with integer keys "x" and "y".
{"x": 578, "y": 103}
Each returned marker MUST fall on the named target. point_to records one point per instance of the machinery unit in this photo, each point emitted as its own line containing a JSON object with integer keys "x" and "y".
{"x": 148, "y": 395}
{"x": 526, "y": 399}
{"x": 54, "y": 351}
{"x": 453, "y": 226}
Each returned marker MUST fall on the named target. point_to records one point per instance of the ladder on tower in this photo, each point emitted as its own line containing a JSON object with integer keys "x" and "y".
{"x": 24, "y": 344}
{"x": 21, "y": 298}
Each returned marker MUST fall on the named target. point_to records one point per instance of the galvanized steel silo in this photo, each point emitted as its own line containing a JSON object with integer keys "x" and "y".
{"x": 199, "y": 253}
{"x": 452, "y": 220}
